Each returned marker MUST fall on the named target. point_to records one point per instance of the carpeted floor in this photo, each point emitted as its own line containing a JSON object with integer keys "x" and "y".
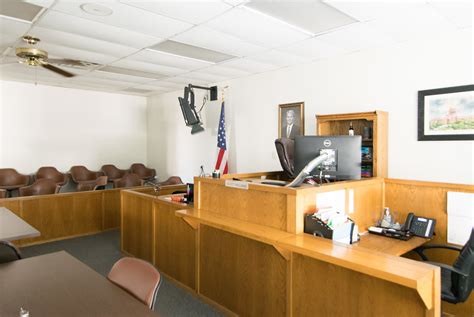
{"x": 102, "y": 250}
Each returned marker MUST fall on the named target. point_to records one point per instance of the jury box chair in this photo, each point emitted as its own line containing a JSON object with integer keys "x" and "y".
{"x": 285, "y": 149}
{"x": 3, "y": 193}
{"x": 50, "y": 172}
{"x": 457, "y": 280}
{"x": 81, "y": 175}
{"x": 139, "y": 278}
{"x": 128, "y": 180}
{"x": 40, "y": 187}
{"x": 97, "y": 184}
{"x": 112, "y": 172}
{"x": 8, "y": 252}
{"x": 10, "y": 179}
{"x": 142, "y": 171}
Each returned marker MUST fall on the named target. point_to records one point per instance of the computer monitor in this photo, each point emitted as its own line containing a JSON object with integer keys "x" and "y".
{"x": 191, "y": 118}
{"x": 344, "y": 150}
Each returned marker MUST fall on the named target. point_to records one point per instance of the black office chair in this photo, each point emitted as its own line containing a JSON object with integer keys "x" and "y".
{"x": 8, "y": 252}
{"x": 457, "y": 281}
{"x": 285, "y": 149}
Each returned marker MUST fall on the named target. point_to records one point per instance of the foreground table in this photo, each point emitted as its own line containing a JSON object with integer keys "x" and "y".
{"x": 13, "y": 227}
{"x": 58, "y": 284}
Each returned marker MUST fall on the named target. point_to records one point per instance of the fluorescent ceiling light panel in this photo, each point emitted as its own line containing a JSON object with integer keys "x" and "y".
{"x": 19, "y": 10}
{"x": 312, "y": 16}
{"x": 191, "y": 51}
{"x": 130, "y": 72}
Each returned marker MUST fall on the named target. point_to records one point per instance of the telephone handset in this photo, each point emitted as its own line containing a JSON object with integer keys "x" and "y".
{"x": 419, "y": 226}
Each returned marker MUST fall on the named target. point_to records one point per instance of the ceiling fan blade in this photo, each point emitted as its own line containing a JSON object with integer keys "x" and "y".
{"x": 71, "y": 62}
{"x": 57, "y": 70}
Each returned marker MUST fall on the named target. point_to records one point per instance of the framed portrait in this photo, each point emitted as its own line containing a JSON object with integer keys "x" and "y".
{"x": 291, "y": 120}
{"x": 446, "y": 114}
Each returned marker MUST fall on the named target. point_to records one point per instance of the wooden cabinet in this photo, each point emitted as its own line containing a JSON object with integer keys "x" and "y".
{"x": 372, "y": 126}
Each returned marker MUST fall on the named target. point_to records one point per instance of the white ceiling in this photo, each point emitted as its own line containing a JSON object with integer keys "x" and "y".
{"x": 259, "y": 41}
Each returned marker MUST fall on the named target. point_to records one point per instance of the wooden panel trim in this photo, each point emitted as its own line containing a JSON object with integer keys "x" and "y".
{"x": 191, "y": 222}
{"x": 458, "y": 187}
{"x": 252, "y": 186}
{"x": 283, "y": 252}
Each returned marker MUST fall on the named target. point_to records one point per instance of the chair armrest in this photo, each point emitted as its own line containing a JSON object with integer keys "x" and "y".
{"x": 422, "y": 248}
{"x": 449, "y": 267}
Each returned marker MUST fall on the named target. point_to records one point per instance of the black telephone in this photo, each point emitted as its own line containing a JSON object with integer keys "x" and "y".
{"x": 419, "y": 226}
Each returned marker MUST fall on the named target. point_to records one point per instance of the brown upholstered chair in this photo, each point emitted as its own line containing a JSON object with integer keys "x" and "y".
{"x": 112, "y": 172}
{"x": 128, "y": 180}
{"x": 286, "y": 149}
{"x": 49, "y": 172}
{"x": 142, "y": 171}
{"x": 97, "y": 184}
{"x": 81, "y": 175}
{"x": 139, "y": 278}
{"x": 173, "y": 180}
{"x": 10, "y": 179}
{"x": 8, "y": 252}
{"x": 40, "y": 187}
{"x": 3, "y": 193}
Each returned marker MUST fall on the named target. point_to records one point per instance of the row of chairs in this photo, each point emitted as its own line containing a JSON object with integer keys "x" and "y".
{"x": 48, "y": 180}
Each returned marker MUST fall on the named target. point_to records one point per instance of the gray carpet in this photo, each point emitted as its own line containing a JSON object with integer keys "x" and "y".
{"x": 102, "y": 250}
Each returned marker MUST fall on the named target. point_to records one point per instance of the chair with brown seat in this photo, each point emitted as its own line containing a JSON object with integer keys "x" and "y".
{"x": 10, "y": 179}
{"x": 81, "y": 175}
{"x": 50, "y": 172}
{"x": 173, "y": 180}
{"x": 97, "y": 184}
{"x": 112, "y": 172}
{"x": 139, "y": 278}
{"x": 8, "y": 252}
{"x": 142, "y": 171}
{"x": 128, "y": 180}
{"x": 40, "y": 187}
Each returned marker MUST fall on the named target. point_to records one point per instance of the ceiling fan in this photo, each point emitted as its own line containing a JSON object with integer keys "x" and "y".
{"x": 36, "y": 57}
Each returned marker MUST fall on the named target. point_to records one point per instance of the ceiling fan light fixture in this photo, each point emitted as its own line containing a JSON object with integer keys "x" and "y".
{"x": 96, "y": 9}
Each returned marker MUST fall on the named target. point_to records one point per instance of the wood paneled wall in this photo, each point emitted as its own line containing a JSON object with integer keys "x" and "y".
{"x": 430, "y": 200}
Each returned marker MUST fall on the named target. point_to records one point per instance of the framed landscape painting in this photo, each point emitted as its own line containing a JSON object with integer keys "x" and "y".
{"x": 446, "y": 114}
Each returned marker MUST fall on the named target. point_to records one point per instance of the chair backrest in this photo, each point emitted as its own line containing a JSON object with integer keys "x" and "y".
{"x": 101, "y": 183}
{"x": 81, "y": 173}
{"x": 112, "y": 172}
{"x": 142, "y": 171}
{"x": 286, "y": 149}
{"x": 40, "y": 187}
{"x": 9, "y": 177}
{"x": 8, "y": 252}
{"x": 138, "y": 277}
{"x": 462, "y": 286}
{"x": 50, "y": 172}
{"x": 3, "y": 193}
{"x": 173, "y": 180}
{"x": 128, "y": 180}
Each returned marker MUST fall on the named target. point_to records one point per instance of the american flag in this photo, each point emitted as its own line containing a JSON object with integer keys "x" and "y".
{"x": 221, "y": 163}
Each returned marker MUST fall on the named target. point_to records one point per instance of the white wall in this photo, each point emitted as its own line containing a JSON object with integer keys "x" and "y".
{"x": 62, "y": 127}
{"x": 383, "y": 78}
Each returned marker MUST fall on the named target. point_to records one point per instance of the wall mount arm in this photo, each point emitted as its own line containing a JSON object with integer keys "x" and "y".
{"x": 212, "y": 89}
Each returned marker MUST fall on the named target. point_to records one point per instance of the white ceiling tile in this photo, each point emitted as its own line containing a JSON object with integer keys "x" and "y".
{"x": 181, "y": 81}
{"x": 246, "y": 64}
{"x": 458, "y": 12}
{"x": 127, "y": 17}
{"x": 21, "y": 71}
{"x": 357, "y": 36}
{"x": 208, "y": 78}
{"x": 99, "y": 82}
{"x": 256, "y": 28}
{"x": 214, "y": 40}
{"x": 165, "y": 59}
{"x": 313, "y": 48}
{"x": 10, "y": 31}
{"x": 96, "y": 30}
{"x": 224, "y": 71}
{"x": 41, "y": 3}
{"x": 195, "y": 12}
{"x": 80, "y": 42}
{"x": 148, "y": 67}
{"x": 154, "y": 86}
{"x": 57, "y": 51}
{"x": 117, "y": 77}
{"x": 236, "y": 2}
{"x": 420, "y": 22}
{"x": 278, "y": 58}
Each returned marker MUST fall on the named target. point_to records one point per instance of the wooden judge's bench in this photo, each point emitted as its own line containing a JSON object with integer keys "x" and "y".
{"x": 241, "y": 247}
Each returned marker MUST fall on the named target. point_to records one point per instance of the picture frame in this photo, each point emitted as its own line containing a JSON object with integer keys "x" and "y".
{"x": 290, "y": 112}
{"x": 446, "y": 114}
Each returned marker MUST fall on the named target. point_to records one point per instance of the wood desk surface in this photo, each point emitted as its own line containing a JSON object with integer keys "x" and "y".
{"x": 13, "y": 227}
{"x": 388, "y": 245}
{"x": 58, "y": 284}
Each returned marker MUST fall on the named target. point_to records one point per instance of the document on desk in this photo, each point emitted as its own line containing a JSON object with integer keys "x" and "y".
{"x": 460, "y": 217}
